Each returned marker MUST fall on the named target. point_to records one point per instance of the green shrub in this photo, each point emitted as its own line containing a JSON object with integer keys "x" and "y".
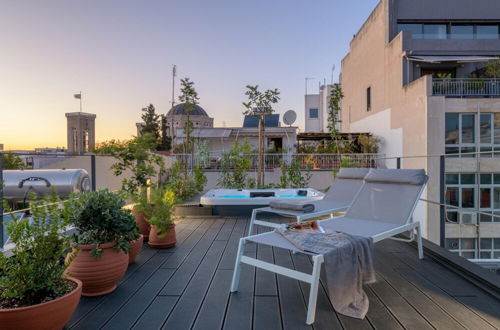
{"x": 235, "y": 165}
{"x": 293, "y": 177}
{"x": 34, "y": 273}
{"x": 162, "y": 216}
{"x": 99, "y": 218}
{"x": 200, "y": 180}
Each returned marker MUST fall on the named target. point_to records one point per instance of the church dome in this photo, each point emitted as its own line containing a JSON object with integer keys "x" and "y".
{"x": 179, "y": 110}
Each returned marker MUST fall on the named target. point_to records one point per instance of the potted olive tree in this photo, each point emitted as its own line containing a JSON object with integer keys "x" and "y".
{"x": 35, "y": 293}
{"x": 102, "y": 241}
{"x": 136, "y": 156}
{"x": 162, "y": 233}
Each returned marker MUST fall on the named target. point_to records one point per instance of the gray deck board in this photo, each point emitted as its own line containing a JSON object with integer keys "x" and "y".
{"x": 187, "y": 287}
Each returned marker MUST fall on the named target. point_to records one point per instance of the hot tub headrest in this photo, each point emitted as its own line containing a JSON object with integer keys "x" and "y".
{"x": 413, "y": 177}
{"x": 352, "y": 173}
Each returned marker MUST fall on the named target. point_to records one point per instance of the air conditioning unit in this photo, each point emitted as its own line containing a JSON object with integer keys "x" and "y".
{"x": 468, "y": 218}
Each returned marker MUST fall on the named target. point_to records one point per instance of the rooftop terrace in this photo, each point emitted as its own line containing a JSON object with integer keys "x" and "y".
{"x": 187, "y": 287}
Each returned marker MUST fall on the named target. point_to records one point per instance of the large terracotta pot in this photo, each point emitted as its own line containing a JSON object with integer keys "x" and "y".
{"x": 144, "y": 226}
{"x": 98, "y": 275}
{"x": 135, "y": 248}
{"x": 49, "y": 315}
{"x": 162, "y": 242}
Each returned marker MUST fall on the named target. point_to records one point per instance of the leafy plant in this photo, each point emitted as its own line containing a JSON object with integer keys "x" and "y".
{"x": 334, "y": 106}
{"x": 260, "y": 104}
{"x": 200, "y": 180}
{"x": 11, "y": 161}
{"x": 190, "y": 98}
{"x": 136, "y": 155}
{"x": 35, "y": 272}
{"x": 183, "y": 187}
{"x": 161, "y": 218}
{"x": 99, "y": 218}
{"x": 369, "y": 144}
{"x": 235, "y": 165}
{"x": 344, "y": 163}
{"x": 293, "y": 177}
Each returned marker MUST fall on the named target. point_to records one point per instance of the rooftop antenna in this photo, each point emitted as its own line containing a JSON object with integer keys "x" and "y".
{"x": 333, "y": 69}
{"x": 307, "y": 79}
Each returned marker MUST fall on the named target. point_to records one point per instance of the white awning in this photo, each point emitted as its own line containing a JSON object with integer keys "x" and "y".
{"x": 206, "y": 133}
{"x": 458, "y": 59}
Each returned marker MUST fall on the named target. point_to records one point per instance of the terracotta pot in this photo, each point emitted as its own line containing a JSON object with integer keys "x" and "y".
{"x": 144, "y": 226}
{"x": 135, "y": 248}
{"x": 98, "y": 275}
{"x": 45, "y": 316}
{"x": 162, "y": 242}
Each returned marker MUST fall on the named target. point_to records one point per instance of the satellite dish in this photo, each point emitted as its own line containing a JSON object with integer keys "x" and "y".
{"x": 289, "y": 117}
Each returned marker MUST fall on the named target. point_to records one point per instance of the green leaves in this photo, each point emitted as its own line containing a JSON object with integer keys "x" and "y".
{"x": 235, "y": 165}
{"x": 334, "y": 106}
{"x": 99, "y": 218}
{"x": 35, "y": 271}
{"x": 260, "y": 103}
{"x": 163, "y": 200}
{"x": 136, "y": 155}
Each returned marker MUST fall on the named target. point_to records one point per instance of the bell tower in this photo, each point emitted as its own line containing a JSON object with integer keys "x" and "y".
{"x": 80, "y": 132}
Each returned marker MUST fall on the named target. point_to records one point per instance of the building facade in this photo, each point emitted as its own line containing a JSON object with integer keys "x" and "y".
{"x": 415, "y": 76}
{"x": 316, "y": 110}
{"x": 80, "y": 132}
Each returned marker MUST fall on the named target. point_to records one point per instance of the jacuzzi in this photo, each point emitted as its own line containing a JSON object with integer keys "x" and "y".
{"x": 242, "y": 201}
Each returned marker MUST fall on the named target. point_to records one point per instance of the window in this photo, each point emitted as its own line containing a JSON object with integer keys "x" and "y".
{"x": 489, "y": 248}
{"x": 462, "y": 136}
{"x": 435, "y": 31}
{"x": 415, "y": 29}
{"x": 487, "y": 32}
{"x": 369, "y": 99}
{"x": 313, "y": 113}
{"x": 470, "y": 192}
{"x": 462, "y": 32}
{"x": 466, "y": 247}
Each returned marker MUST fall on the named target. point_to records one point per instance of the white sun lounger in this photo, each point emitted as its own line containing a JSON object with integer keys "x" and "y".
{"x": 337, "y": 199}
{"x": 382, "y": 209}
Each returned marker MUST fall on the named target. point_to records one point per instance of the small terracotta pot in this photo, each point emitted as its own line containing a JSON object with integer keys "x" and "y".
{"x": 49, "y": 315}
{"x": 135, "y": 248}
{"x": 98, "y": 275}
{"x": 162, "y": 242}
{"x": 144, "y": 226}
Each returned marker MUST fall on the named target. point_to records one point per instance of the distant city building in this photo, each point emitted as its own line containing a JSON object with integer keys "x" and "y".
{"x": 177, "y": 118}
{"x": 316, "y": 110}
{"x": 405, "y": 80}
{"x": 80, "y": 132}
{"x": 1, "y": 146}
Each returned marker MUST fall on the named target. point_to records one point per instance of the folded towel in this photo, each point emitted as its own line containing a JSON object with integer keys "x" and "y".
{"x": 297, "y": 207}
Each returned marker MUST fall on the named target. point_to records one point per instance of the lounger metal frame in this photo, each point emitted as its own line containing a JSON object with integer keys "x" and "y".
{"x": 298, "y": 217}
{"x": 317, "y": 259}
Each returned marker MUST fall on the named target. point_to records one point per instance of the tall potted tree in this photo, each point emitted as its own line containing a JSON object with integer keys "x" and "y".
{"x": 104, "y": 231}
{"x": 34, "y": 291}
{"x": 260, "y": 104}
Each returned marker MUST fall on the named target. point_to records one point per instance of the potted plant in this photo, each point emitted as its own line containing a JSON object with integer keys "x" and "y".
{"x": 102, "y": 241}
{"x": 135, "y": 245}
{"x": 34, "y": 291}
{"x": 162, "y": 233}
{"x": 142, "y": 211}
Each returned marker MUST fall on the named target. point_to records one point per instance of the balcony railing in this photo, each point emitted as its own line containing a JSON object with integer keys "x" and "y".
{"x": 274, "y": 160}
{"x": 466, "y": 87}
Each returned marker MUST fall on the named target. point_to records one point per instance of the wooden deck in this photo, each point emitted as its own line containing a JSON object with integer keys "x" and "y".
{"x": 187, "y": 287}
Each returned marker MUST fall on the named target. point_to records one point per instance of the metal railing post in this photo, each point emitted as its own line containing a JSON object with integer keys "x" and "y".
{"x": 1, "y": 201}
{"x": 442, "y": 199}
{"x": 93, "y": 170}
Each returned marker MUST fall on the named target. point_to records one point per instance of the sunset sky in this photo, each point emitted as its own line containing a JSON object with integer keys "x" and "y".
{"x": 120, "y": 55}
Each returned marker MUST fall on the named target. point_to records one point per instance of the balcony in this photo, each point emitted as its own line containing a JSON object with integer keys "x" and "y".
{"x": 466, "y": 87}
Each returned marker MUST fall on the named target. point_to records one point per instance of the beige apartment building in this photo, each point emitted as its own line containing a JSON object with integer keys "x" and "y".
{"x": 415, "y": 77}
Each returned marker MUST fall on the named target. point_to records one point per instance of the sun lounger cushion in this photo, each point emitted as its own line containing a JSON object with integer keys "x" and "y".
{"x": 413, "y": 177}
{"x": 352, "y": 173}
